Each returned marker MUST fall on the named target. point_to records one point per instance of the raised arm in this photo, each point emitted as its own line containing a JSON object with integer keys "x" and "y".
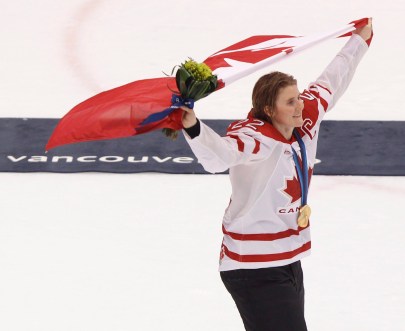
{"x": 339, "y": 73}
{"x": 215, "y": 153}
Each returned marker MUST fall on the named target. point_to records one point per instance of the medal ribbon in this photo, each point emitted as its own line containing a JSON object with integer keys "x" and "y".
{"x": 302, "y": 172}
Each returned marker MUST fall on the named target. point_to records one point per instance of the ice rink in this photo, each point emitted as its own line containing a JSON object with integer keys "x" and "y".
{"x": 120, "y": 252}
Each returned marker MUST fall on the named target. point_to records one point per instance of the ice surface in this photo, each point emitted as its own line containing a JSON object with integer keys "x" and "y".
{"x": 109, "y": 252}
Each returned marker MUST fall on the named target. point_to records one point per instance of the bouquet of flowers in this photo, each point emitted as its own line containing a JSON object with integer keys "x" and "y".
{"x": 194, "y": 81}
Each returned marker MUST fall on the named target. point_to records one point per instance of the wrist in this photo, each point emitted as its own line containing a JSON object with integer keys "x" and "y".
{"x": 193, "y": 131}
{"x": 190, "y": 123}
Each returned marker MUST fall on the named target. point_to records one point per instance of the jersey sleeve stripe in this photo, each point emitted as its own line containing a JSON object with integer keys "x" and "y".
{"x": 257, "y": 146}
{"x": 241, "y": 144}
{"x": 326, "y": 89}
{"x": 322, "y": 95}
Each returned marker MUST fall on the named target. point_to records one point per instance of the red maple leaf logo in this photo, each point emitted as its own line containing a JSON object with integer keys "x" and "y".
{"x": 245, "y": 51}
{"x": 293, "y": 187}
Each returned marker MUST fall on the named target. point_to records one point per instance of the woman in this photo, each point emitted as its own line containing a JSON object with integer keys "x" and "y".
{"x": 270, "y": 157}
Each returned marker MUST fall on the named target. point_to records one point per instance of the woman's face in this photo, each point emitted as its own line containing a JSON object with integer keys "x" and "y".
{"x": 287, "y": 114}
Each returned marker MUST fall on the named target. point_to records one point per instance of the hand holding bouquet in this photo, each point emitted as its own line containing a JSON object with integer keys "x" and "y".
{"x": 194, "y": 82}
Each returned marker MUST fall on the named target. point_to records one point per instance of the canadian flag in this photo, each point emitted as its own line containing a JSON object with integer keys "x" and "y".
{"x": 121, "y": 112}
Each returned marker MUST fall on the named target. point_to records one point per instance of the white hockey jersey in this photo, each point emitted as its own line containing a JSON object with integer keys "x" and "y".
{"x": 260, "y": 224}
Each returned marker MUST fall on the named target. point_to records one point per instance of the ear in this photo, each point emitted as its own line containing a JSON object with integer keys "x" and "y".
{"x": 268, "y": 111}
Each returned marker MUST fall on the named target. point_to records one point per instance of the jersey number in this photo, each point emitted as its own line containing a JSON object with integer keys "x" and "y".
{"x": 254, "y": 124}
{"x": 307, "y": 127}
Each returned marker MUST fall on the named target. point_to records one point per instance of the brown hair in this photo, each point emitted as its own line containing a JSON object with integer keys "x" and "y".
{"x": 266, "y": 90}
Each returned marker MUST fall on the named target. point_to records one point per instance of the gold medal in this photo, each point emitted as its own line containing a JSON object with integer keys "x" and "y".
{"x": 303, "y": 218}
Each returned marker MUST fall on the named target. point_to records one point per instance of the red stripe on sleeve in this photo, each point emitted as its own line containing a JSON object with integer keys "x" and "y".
{"x": 241, "y": 144}
{"x": 257, "y": 147}
{"x": 325, "y": 88}
{"x": 323, "y": 102}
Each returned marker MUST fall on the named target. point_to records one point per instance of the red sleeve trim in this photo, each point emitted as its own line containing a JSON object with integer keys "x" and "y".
{"x": 257, "y": 147}
{"x": 315, "y": 93}
{"x": 241, "y": 144}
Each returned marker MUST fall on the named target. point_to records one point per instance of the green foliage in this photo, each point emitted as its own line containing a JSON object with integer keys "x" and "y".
{"x": 195, "y": 80}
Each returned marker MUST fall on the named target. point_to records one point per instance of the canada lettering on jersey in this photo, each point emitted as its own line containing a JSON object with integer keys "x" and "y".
{"x": 288, "y": 210}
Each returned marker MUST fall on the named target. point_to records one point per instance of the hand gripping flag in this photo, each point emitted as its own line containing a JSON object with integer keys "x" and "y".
{"x": 146, "y": 105}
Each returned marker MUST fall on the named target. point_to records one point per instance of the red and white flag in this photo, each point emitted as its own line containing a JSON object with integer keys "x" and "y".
{"x": 121, "y": 112}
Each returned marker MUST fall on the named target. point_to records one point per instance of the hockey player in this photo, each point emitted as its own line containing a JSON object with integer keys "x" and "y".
{"x": 270, "y": 156}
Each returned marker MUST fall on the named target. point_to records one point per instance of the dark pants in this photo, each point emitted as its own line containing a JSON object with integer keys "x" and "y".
{"x": 268, "y": 299}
